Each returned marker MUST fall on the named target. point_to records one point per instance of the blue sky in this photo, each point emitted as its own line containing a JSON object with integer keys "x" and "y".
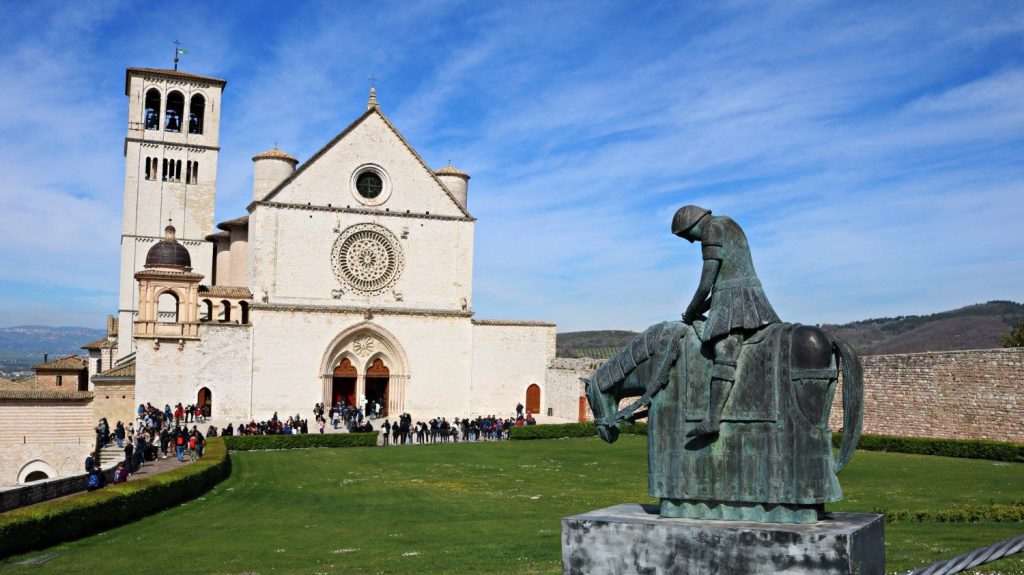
{"x": 874, "y": 152}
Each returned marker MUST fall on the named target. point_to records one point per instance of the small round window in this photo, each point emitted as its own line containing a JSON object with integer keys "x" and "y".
{"x": 369, "y": 185}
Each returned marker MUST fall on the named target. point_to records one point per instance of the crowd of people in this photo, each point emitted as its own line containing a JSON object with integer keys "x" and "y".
{"x": 440, "y": 430}
{"x": 273, "y": 426}
{"x": 156, "y": 431}
{"x": 148, "y": 438}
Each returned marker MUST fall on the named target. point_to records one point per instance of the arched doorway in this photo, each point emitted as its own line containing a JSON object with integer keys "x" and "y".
{"x": 343, "y": 386}
{"x": 205, "y": 401}
{"x": 533, "y": 399}
{"x": 377, "y": 376}
{"x": 363, "y": 344}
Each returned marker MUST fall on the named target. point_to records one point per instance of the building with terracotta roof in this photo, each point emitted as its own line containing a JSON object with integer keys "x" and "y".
{"x": 349, "y": 278}
{"x": 46, "y": 422}
{"x": 71, "y": 372}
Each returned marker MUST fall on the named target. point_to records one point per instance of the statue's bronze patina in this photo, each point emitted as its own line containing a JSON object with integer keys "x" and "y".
{"x": 738, "y": 402}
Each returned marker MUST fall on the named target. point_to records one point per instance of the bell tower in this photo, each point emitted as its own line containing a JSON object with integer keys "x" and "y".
{"x": 170, "y": 154}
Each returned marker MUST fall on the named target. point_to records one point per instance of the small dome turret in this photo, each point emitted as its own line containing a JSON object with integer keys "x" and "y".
{"x": 275, "y": 154}
{"x": 168, "y": 253}
{"x": 270, "y": 168}
{"x": 456, "y": 181}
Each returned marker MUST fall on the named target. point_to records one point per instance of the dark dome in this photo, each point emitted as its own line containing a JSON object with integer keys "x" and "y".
{"x": 168, "y": 253}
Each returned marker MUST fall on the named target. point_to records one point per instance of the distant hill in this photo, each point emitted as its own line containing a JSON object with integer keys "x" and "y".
{"x": 979, "y": 326}
{"x": 24, "y": 346}
{"x": 593, "y": 344}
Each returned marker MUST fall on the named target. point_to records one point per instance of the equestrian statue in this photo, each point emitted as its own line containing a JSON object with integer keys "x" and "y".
{"x": 737, "y": 401}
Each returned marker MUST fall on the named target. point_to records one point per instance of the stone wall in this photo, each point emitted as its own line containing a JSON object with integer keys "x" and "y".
{"x": 565, "y": 386}
{"x": 508, "y": 357}
{"x": 220, "y": 362}
{"x": 974, "y": 394}
{"x": 38, "y": 491}
{"x": 49, "y": 435}
{"x": 115, "y": 401}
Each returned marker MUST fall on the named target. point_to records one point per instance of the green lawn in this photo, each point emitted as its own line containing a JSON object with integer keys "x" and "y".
{"x": 481, "y": 508}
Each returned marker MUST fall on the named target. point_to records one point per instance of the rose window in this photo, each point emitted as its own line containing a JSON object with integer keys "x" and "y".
{"x": 367, "y": 259}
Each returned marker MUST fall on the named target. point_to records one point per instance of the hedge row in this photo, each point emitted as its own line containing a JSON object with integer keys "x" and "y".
{"x": 967, "y": 448}
{"x": 564, "y": 430}
{"x": 59, "y": 520}
{"x": 966, "y": 513}
{"x": 553, "y": 431}
{"x": 302, "y": 441}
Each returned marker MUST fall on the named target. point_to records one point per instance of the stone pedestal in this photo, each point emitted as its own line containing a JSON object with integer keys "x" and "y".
{"x": 632, "y": 538}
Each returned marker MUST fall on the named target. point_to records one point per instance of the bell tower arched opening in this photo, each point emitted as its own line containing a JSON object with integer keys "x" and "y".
{"x": 174, "y": 112}
{"x": 151, "y": 111}
{"x": 196, "y": 112}
{"x": 343, "y": 384}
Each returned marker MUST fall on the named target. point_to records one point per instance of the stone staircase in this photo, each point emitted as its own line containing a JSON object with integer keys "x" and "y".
{"x": 110, "y": 455}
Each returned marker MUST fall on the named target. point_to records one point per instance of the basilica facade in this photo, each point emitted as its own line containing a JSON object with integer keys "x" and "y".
{"x": 349, "y": 278}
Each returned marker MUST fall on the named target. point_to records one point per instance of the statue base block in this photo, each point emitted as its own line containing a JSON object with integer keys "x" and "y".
{"x": 633, "y": 538}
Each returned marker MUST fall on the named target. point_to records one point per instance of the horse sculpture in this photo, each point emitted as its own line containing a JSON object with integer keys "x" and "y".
{"x": 772, "y": 459}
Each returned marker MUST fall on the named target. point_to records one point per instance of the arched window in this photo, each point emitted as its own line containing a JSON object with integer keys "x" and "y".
{"x": 164, "y": 175}
{"x": 175, "y": 112}
{"x": 36, "y": 476}
{"x": 149, "y": 166}
{"x": 243, "y": 307}
{"x": 225, "y": 311}
{"x": 167, "y": 308}
{"x": 154, "y": 168}
{"x": 195, "y": 173}
{"x": 196, "y": 110}
{"x": 177, "y": 171}
{"x": 151, "y": 110}
{"x": 36, "y": 471}
{"x": 207, "y": 308}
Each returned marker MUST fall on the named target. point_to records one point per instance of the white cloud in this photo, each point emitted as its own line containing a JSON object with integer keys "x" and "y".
{"x": 872, "y": 153}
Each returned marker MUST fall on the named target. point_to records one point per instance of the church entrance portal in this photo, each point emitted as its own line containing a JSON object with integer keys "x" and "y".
{"x": 377, "y": 376}
{"x": 343, "y": 386}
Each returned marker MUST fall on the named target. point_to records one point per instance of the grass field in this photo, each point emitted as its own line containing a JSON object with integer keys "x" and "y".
{"x": 481, "y": 509}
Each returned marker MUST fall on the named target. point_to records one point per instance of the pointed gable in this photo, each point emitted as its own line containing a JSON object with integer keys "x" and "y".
{"x": 370, "y": 144}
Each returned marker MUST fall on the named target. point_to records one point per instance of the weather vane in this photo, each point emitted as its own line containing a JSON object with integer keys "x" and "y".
{"x": 178, "y": 50}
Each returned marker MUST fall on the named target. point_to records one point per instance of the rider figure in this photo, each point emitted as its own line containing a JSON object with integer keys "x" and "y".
{"x": 729, "y": 292}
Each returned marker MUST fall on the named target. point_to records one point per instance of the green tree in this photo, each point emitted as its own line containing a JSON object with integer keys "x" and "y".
{"x": 1016, "y": 336}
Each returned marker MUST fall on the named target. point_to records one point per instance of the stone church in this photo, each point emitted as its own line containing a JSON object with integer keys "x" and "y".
{"x": 349, "y": 277}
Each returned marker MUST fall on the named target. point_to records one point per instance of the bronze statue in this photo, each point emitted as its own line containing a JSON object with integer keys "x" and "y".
{"x": 737, "y": 403}
{"x": 729, "y": 292}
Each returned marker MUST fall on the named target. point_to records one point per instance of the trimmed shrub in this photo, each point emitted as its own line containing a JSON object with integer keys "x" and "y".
{"x": 967, "y": 448}
{"x": 553, "y": 431}
{"x": 87, "y": 513}
{"x": 564, "y": 430}
{"x": 638, "y": 428}
{"x": 960, "y": 513}
{"x": 302, "y": 441}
